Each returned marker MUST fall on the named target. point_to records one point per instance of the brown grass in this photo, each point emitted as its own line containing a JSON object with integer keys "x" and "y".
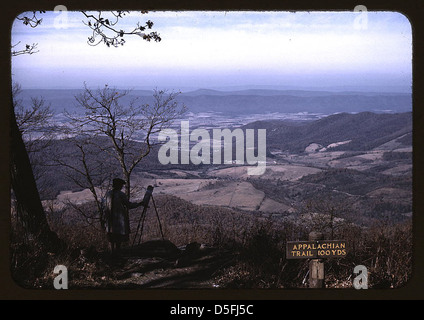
{"x": 257, "y": 242}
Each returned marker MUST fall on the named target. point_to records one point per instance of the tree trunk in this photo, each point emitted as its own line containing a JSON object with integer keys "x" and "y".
{"x": 28, "y": 202}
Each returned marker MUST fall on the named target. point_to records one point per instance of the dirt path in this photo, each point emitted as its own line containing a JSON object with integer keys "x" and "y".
{"x": 159, "y": 264}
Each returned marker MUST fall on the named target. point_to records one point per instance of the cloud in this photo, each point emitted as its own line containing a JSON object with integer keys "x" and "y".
{"x": 226, "y": 42}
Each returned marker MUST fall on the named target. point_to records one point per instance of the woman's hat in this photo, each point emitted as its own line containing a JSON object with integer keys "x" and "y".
{"x": 118, "y": 182}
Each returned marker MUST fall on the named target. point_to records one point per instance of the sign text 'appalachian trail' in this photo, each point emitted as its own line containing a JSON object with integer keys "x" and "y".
{"x": 316, "y": 249}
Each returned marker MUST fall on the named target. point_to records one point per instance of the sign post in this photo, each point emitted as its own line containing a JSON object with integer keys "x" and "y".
{"x": 316, "y": 249}
{"x": 316, "y": 266}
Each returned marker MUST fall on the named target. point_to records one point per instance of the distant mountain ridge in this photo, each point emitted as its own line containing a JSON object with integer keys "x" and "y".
{"x": 292, "y": 92}
{"x": 255, "y": 101}
{"x": 364, "y": 131}
{"x": 326, "y": 104}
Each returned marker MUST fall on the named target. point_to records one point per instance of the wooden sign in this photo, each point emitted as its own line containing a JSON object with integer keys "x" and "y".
{"x": 316, "y": 249}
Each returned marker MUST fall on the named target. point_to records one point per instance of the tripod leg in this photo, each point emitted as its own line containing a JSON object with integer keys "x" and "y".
{"x": 142, "y": 226}
{"x": 157, "y": 216}
{"x": 138, "y": 226}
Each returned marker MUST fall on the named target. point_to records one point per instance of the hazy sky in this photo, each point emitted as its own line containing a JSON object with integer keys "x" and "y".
{"x": 220, "y": 49}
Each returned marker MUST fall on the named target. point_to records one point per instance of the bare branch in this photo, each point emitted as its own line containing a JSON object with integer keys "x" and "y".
{"x": 29, "y": 20}
{"x": 104, "y": 29}
{"x": 29, "y": 49}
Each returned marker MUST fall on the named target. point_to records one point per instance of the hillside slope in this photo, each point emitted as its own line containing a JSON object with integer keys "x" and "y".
{"x": 359, "y": 132}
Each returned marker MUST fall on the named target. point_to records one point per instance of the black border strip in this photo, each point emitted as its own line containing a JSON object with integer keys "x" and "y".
{"x": 412, "y": 9}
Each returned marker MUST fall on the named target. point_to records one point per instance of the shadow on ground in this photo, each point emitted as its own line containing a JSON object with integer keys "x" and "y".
{"x": 160, "y": 264}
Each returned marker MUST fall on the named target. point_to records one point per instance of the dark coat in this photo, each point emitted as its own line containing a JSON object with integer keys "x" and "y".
{"x": 116, "y": 212}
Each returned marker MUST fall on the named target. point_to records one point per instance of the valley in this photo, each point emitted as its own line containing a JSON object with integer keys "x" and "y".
{"x": 315, "y": 151}
{"x": 372, "y": 183}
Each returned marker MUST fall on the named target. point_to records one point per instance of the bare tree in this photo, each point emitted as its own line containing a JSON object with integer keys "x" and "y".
{"x": 87, "y": 167}
{"x": 29, "y": 206}
{"x": 30, "y": 133}
{"x": 34, "y": 120}
{"x": 129, "y": 126}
